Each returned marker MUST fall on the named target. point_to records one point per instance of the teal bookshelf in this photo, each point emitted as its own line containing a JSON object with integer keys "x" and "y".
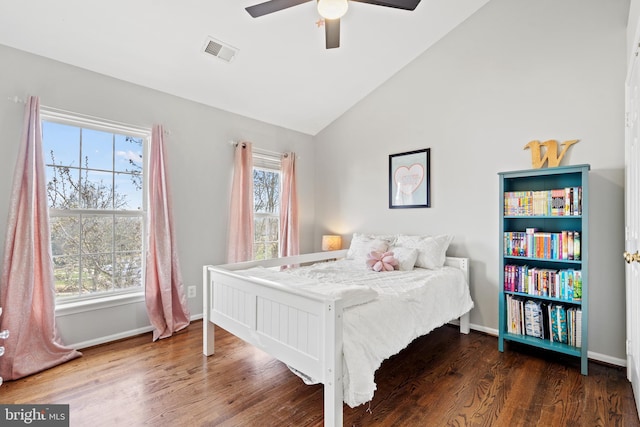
{"x": 532, "y": 233}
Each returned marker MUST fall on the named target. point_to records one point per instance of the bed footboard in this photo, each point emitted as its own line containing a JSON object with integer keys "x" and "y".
{"x": 299, "y": 328}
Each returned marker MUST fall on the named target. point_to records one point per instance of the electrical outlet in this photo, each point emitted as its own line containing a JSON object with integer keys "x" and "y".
{"x": 191, "y": 292}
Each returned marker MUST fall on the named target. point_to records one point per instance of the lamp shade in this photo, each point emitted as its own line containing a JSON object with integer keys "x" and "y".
{"x": 331, "y": 242}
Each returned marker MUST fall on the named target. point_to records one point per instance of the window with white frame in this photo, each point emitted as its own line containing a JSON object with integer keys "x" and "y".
{"x": 266, "y": 204}
{"x": 96, "y": 195}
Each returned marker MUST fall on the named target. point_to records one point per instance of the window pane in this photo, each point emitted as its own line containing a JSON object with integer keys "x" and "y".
{"x": 60, "y": 144}
{"x": 65, "y": 236}
{"x": 128, "y": 194}
{"x": 62, "y": 187}
{"x": 66, "y": 276}
{"x": 266, "y": 191}
{"x": 128, "y": 235}
{"x": 128, "y": 273}
{"x": 265, "y": 237}
{"x": 97, "y": 234}
{"x": 97, "y": 149}
{"x": 97, "y": 273}
{"x": 96, "y": 190}
{"x": 97, "y": 256}
{"x": 128, "y": 154}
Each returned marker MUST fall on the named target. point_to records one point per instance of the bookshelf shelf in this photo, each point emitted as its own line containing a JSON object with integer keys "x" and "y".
{"x": 546, "y": 260}
{"x": 540, "y": 229}
{"x": 545, "y": 344}
{"x": 529, "y": 217}
{"x": 546, "y": 298}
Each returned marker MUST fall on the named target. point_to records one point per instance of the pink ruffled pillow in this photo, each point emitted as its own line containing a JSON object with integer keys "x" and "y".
{"x": 381, "y": 261}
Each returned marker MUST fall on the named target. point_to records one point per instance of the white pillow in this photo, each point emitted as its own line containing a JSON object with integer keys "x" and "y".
{"x": 406, "y": 257}
{"x": 389, "y": 238}
{"x": 362, "y": 244}
{"x": 431, "y": 249}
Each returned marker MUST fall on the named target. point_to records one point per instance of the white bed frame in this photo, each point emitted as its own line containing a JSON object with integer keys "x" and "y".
{"x": 301, "y": 329}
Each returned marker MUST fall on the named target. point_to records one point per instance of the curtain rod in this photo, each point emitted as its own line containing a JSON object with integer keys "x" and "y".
{"x": 60, "y": 112}
{"x": 262, "y": 151}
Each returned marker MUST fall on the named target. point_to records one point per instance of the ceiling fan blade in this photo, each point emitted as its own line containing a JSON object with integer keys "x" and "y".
{"x": 332, "y": 33}
{"x": 272, "y": 6}
{"x": 398, "y": 4}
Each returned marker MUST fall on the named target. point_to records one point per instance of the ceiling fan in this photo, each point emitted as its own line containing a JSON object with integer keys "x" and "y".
{"x": 330, "y": 10}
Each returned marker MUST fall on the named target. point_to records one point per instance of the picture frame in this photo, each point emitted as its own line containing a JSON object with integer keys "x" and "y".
{"x": 410, "y": 179}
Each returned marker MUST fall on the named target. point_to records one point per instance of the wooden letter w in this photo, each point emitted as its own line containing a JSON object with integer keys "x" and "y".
{"x": 550, "y": 154}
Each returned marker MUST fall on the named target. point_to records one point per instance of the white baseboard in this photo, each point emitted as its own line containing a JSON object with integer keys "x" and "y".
{"x": 119, "y": 336}
{"x": 110, "y": 338}
{"x": 488, "y": 331}
{"x": 606, "y": 359}
{"x": 610, "y": 360}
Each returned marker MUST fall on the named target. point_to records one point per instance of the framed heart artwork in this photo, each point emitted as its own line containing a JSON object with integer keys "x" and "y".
{"x": 409, "y": 179}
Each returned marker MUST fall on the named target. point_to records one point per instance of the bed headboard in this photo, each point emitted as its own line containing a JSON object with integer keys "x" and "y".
{"x": 461, "y": 263}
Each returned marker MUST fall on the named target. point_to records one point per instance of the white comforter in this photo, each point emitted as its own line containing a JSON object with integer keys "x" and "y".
{"x": 409, "y": 304}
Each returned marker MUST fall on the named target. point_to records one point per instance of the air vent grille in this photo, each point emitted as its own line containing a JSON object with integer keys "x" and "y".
{"x": 220, "y": 50}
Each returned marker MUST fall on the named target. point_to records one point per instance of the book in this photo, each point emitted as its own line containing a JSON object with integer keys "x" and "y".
{"x": 558, "y": 323}
{"x": 577, "y": 285}
{"x": 577, "y": 201}
{"x": 578, "y": 330}
{"x": 557, "y": 202}
{"x": 533, "y": 318}
{"x": 570, "y": 245}
{"x": 546, "y": 326}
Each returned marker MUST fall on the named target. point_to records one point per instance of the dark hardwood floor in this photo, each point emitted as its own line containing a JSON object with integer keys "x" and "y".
{"x": 442, "y": 379}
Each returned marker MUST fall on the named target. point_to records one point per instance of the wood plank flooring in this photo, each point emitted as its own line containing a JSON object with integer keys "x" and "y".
{"x": 442, "y": 379}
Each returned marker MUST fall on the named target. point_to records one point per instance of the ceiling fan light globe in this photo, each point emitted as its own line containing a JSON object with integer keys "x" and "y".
{"x": 332, "y": 9}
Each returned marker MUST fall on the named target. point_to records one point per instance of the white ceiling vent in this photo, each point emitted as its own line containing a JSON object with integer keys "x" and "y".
{"x": 219, "y": 49}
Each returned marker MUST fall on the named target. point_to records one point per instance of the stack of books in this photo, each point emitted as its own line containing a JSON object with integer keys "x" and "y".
{"x": 562, "y": 284}
{"x": 532, "y": 243}
{"x": 539, "y": 319}
{"x": 558, "y": 202}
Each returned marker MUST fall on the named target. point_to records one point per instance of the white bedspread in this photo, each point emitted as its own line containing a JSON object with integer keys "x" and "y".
{"x": 350, "y": 294}
{"x": 409, "y": 304}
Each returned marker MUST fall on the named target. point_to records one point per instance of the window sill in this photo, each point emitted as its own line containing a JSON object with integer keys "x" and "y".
{"x": 65, "y": 309}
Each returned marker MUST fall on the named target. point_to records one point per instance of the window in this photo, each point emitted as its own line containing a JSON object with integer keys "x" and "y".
{"x": 266, "y": 205}
{"x": 95, "y": 189}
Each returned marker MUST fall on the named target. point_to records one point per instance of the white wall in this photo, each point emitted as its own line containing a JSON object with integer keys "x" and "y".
{"x": 198, "y": 153}
{"x": 515, "y": 71}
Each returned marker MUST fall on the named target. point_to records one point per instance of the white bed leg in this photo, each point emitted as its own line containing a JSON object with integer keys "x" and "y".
{"x": 208, "y": 341}
{"x": 465, "y": 323}
{"x": 333, "y": 402}
{"x": 333, "y": 391}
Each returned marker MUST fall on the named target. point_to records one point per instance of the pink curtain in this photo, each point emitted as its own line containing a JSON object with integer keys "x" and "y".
{"x": 289, "y": 242}
{"x": 240, "y": 246}
{"x": 164, "y": 292}
{"x": 27, "y": 293}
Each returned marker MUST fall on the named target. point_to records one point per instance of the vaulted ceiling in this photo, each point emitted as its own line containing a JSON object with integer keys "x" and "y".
{"x": 281, "y": 74}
